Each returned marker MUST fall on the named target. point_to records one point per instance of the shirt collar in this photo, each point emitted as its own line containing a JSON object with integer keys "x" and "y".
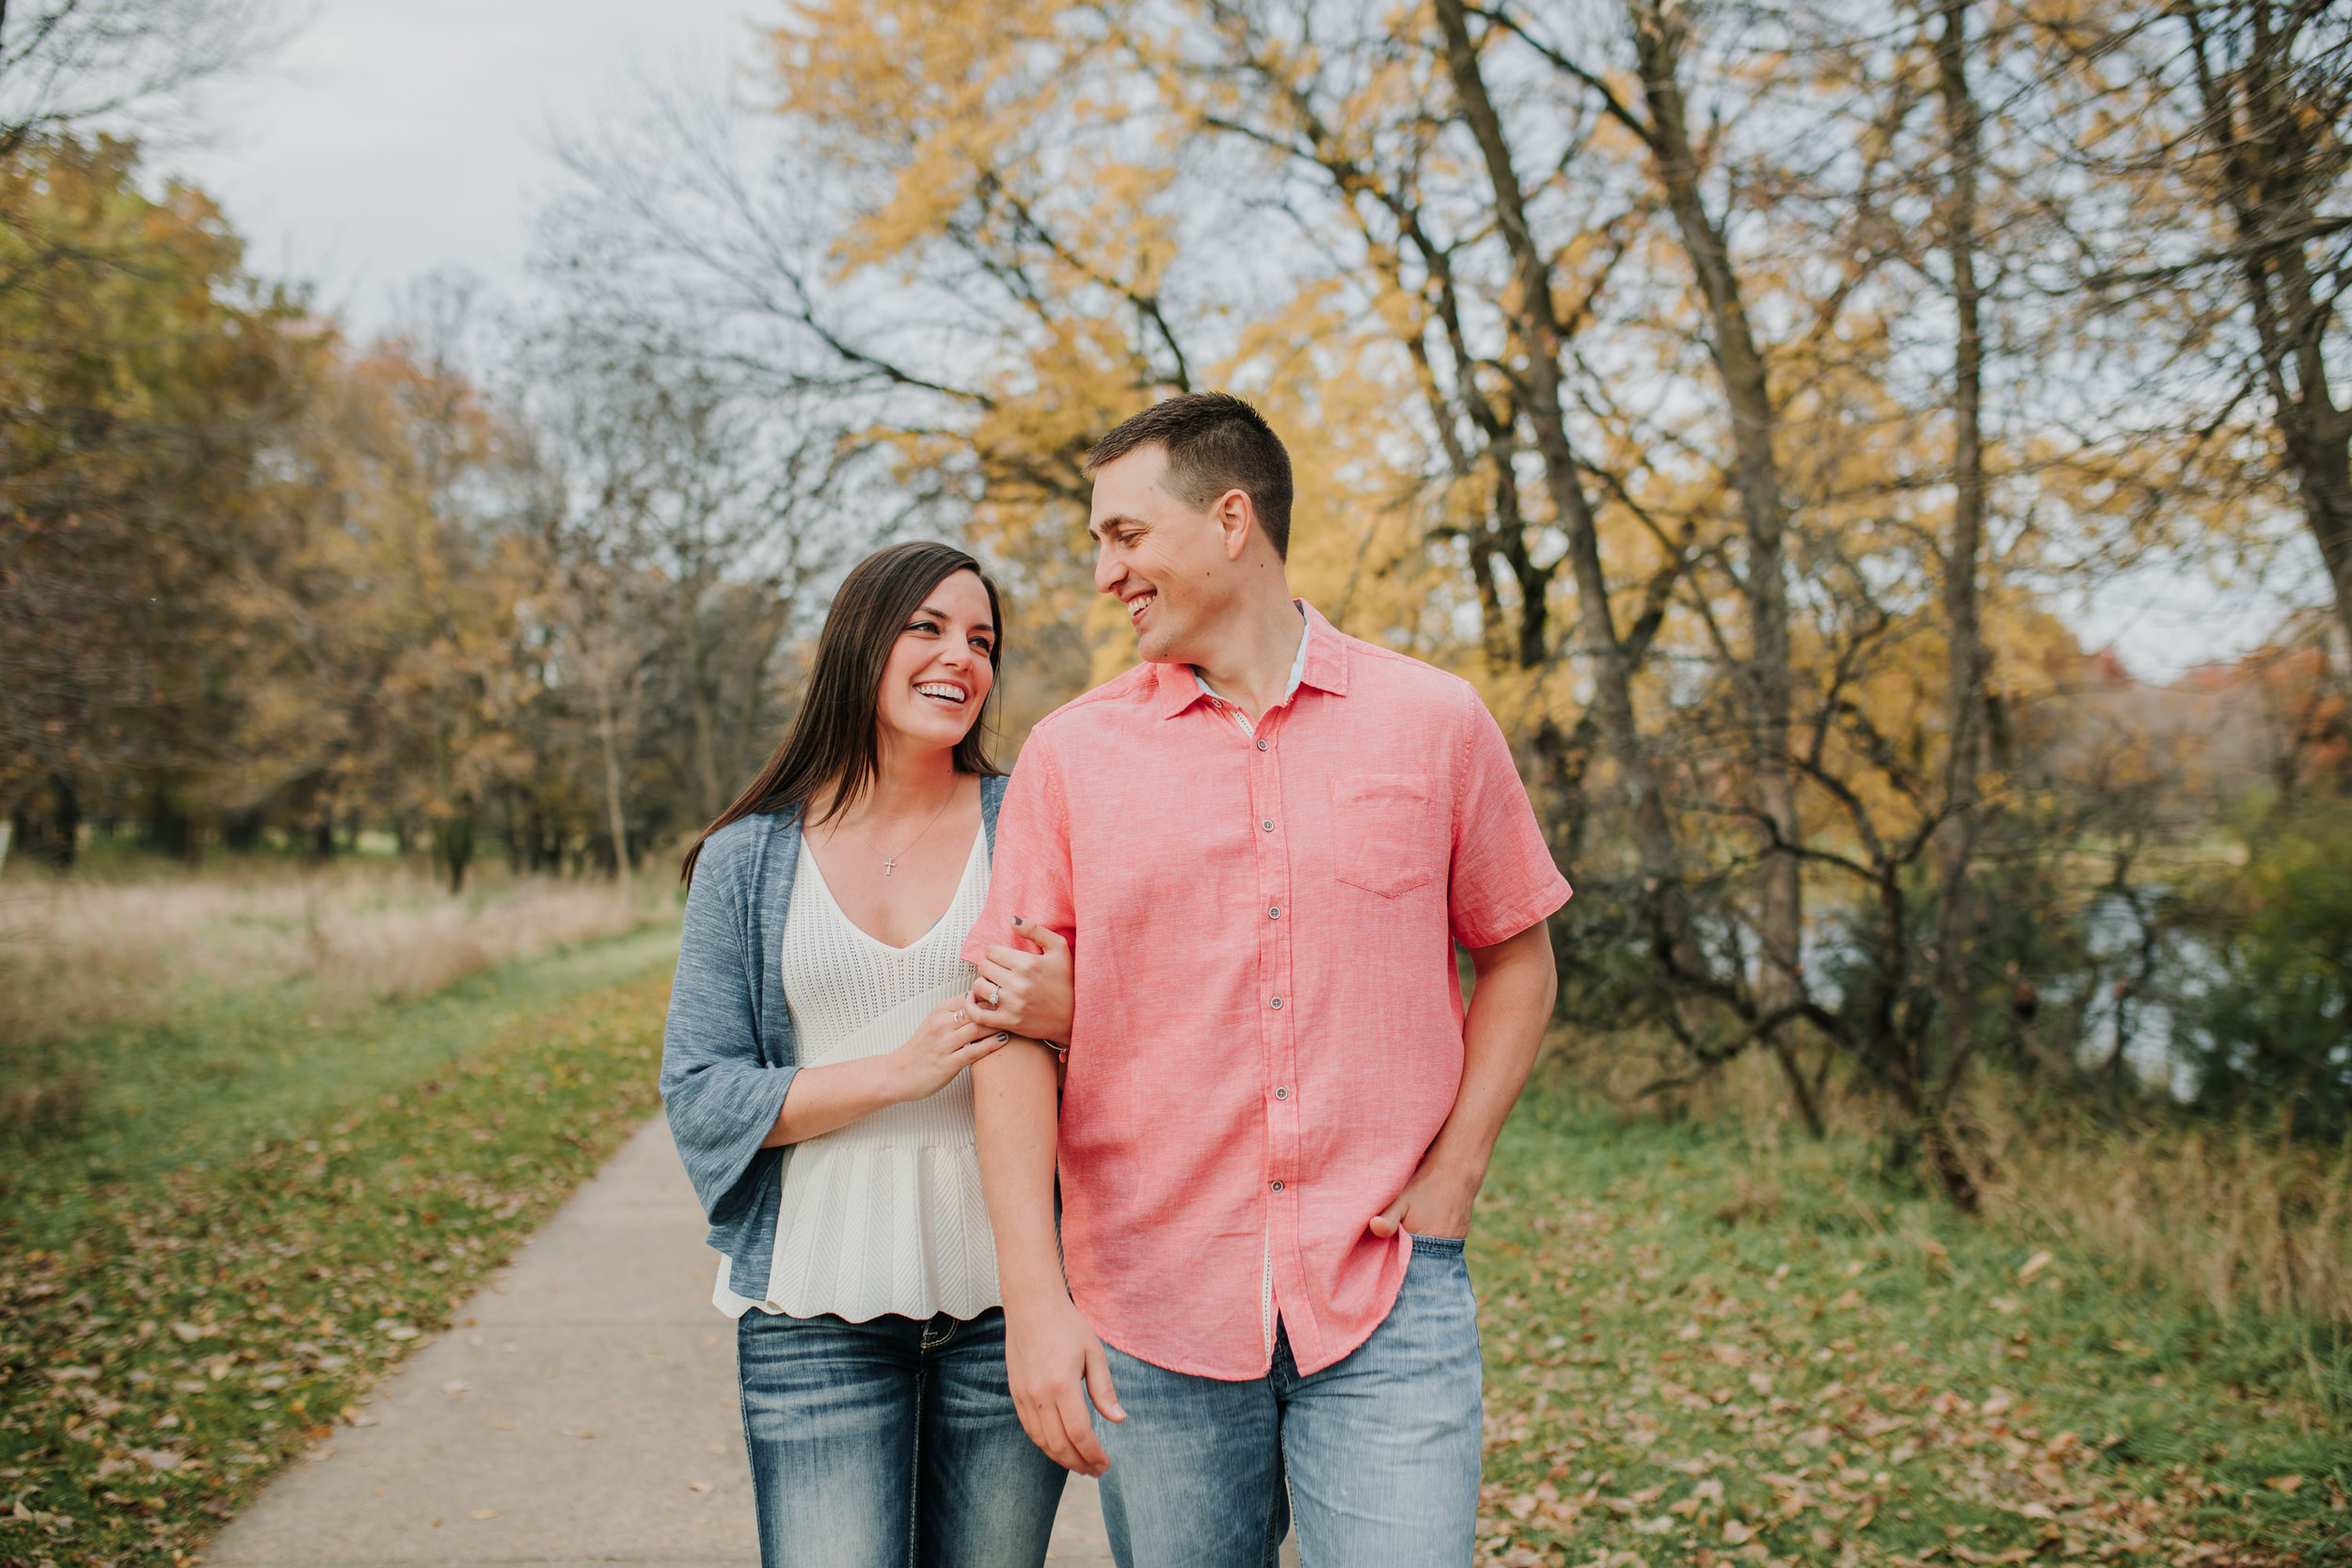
{"x": 1321, "y": 662}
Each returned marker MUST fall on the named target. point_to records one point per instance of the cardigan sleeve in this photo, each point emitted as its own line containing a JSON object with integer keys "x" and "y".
{"x": 721, "y": 1099}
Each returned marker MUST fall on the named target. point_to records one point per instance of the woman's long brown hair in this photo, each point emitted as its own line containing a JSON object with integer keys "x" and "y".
{"x": 834, "y": 741}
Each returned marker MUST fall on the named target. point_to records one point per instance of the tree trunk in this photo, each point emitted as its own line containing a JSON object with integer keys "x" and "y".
{"x": 691, "y": 594}
{"x": 65, "y": 823}
{"x": 1964, "y": 703}
{"x": 608, "y": 741}
{"x": 1540, "y": 329}
{"x": 1767, "y": 681}
{"x": 452, "y": 841}
{"x": 2274, "y": 178}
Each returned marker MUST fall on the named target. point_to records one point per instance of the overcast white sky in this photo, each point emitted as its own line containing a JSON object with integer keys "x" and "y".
{"x": 387, "y": 140}
{"x": 390, "y": 139}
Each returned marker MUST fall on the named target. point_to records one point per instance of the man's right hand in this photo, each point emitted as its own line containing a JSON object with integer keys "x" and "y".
{"x": 1052, "y": 1360}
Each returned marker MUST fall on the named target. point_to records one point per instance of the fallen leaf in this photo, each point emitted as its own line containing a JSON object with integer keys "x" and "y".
{"x": 2289, "y": 1484}
{"x": 486, "y": 1512}
{"x": 2034, "y": 1265}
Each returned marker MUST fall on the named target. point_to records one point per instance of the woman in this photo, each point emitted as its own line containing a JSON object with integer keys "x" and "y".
{"x": 816, "y": 1074}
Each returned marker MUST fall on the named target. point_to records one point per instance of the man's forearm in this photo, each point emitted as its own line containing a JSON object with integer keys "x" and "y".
{"x": 1016, "y": 1115}
{"x": 1509, "y": 1013}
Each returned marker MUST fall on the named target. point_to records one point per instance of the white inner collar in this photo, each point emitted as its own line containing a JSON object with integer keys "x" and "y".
{"x": 1299, "y": 661}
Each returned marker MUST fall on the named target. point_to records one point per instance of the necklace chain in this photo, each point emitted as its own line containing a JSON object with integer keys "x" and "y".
{"x": 890, "y": 863}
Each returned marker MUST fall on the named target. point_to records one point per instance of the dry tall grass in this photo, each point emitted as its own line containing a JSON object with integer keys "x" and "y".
{"x": 2242, "y": 1224}
{"x": 2245, "y": 1225}
{"x": 78, "y": 955}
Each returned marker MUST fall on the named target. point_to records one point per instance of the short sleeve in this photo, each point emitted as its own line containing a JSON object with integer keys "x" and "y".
{"x": 1503, "y": 879}
{"x": 1029, "y": 873}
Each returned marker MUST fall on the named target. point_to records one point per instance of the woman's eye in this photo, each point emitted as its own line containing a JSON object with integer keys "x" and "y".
{"x": 923, "y": 626}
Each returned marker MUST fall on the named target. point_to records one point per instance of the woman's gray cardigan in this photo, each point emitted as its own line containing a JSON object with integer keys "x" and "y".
{"x": 726, "y": 1053}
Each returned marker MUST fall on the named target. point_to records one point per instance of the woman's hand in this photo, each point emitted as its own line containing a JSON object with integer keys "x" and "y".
{"x": 822, "y": 1099}
{"x": 943, "y": 1045}
{"x": 1024, "y": 993}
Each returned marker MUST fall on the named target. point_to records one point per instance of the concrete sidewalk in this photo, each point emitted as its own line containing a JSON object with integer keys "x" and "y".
{"x": 582, "y": 1410}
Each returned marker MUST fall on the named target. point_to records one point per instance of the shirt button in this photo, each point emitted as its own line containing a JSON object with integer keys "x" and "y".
{"x": 1261, "y": 743}
{"x": 1275, "y": 913}
{"x": 1277, "y": 1186}
{"x": 1281, "y": 1094}
{"x": 1276, "y": 1004}
{"x": 1267, "y": 824}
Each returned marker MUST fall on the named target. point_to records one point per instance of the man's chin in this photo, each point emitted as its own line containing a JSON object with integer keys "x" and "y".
{"x": 1159, "y": 647}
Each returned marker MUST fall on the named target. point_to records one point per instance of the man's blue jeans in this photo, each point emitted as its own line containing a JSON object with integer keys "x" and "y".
{"x": 890, "y": 1444}
{"x": 1380, "y": 1451}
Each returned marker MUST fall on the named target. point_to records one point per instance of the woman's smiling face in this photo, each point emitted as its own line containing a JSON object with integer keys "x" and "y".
{"x": 940, "y": 671}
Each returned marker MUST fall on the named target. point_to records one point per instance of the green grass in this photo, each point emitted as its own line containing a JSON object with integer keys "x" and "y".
{"x": 247, "y": 1065}
{"x": 1697, "y": 1350}
{"x": 257, "y": 1219}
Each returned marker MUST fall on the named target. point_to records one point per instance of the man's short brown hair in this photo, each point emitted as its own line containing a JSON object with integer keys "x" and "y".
{"x": 1215, "y": 442}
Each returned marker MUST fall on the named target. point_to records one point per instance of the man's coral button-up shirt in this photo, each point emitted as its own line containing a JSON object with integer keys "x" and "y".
{"x": 1268, "y": 1028}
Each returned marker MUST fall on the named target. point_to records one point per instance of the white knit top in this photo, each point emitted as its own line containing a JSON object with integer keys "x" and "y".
{"x": 884, "y": 1215}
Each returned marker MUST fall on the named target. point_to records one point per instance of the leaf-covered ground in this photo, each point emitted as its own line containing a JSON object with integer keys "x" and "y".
{"x": 180, "y": 1317}
{"x": 1700, "y": 1351}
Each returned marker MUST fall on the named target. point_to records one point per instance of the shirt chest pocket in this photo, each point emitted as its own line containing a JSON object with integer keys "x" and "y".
{"x": 1386, "y": 837}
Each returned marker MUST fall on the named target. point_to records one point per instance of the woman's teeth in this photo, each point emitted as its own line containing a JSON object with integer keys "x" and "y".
{"x": 945, "y": 693}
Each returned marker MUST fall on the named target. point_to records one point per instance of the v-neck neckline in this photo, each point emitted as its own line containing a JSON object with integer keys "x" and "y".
{"x": 979, "y": 837}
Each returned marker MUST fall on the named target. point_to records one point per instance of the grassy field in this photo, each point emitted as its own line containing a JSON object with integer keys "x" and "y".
{"x": 1707, "y": 1341}
{"x": 260, "y": 1210}
{"x": 1703, "y": 1349}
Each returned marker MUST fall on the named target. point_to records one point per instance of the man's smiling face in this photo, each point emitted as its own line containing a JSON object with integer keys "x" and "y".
{"x": 1167, "y": 561}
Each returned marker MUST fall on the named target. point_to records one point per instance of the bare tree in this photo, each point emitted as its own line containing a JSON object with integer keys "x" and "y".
{"x": 70, "y": 63}
{"x": 2225, "y": 122}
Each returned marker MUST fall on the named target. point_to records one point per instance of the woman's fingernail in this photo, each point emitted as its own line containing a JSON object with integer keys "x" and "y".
{"x": 1002, "y": 1036}
{"x": 1018, "y": 921}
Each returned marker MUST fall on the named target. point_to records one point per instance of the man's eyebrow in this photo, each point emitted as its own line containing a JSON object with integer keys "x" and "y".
{"x": 1094, "y": 530}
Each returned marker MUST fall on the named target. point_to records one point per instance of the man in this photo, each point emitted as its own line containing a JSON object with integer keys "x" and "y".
{"x": 1262, "y": 845}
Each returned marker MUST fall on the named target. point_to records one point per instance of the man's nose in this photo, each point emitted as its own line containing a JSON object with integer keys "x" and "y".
{"x": 1109, "y": 574}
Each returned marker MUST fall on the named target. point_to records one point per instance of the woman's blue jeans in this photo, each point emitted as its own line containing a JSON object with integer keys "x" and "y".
{"x": 890, "y": 1444}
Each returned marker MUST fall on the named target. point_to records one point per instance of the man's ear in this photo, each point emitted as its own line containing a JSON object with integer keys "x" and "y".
{"x": 1236, "y": 519}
